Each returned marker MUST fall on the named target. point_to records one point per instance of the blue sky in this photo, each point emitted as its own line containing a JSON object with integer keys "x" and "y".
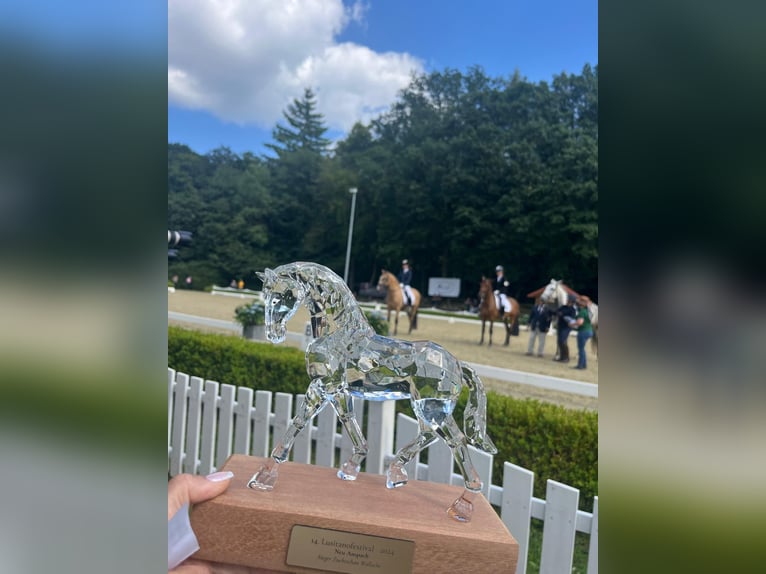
{"x": 233, "y": 66}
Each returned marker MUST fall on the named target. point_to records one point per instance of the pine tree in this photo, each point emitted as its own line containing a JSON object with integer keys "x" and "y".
{"x": 305, "y": 130}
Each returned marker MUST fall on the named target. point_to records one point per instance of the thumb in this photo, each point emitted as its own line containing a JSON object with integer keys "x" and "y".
{"x": 187, "y": 488}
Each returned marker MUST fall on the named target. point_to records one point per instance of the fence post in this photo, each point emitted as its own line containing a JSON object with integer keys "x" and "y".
{"x": 593, "y": 548}
{"x": 193, "y": 425}
{"x": 283, "y": 408}
{"x": 325, "y": 443}
{"x": 242, "y": 425}
{"x": 171, "y": 384}
{"x": 179, "y": 423}
{"x": 261, "y": 427}
{"x": 209, "y": 426}
{"x": 516, "y": 510}
{"x": 380, "y": 434}
{"x": 559, "y": 528}
{"x": 225, "y": 424}
{"x": 302, "y": 444}
{"x": 440, "y": 462}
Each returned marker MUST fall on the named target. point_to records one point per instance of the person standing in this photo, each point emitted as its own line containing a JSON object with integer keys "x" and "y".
{"x": 539, "y": 323}
{"x": 584, "y": 330}
{"x": 405, "y": 278}
{"x": 500, "y": 287}
{"x": 566, "y": 320}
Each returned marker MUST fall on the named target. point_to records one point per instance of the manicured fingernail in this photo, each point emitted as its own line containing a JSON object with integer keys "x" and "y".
{"x": 220, "y": 476}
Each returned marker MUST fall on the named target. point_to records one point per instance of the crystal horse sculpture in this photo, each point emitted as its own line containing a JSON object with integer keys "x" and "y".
{"x": 348, "y": 359}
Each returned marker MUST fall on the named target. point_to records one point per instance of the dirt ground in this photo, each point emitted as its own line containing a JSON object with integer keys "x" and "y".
{"x": 459, "y": 337}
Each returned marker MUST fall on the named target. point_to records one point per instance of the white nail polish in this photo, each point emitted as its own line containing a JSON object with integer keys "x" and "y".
{"x": 220, "y": 476}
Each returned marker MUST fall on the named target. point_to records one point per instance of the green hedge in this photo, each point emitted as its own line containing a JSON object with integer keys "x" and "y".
{"x": 377, "y": 321}
{"x": 236, "y": 361}
{"x": 550, "y": 440}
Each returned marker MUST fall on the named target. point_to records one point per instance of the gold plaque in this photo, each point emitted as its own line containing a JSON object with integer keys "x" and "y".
{"x": 348, "y": 552}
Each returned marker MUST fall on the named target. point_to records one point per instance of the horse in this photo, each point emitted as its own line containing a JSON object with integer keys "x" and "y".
{"x": 395, "y": 300}
{"x": 554, "y": 296}
{"x": 488, "y": 311}
{"x": 348, "y": 359}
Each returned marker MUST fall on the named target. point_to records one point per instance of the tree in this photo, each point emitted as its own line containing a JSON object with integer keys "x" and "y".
{"x": 306, "y": 128}
{"x": 463, "y": 172}
{"x": 300, "y": 147}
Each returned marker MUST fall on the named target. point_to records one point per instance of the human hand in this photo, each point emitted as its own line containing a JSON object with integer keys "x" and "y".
{"x": 185, "y": 489}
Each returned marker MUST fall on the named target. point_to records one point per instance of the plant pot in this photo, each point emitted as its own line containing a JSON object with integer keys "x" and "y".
{"x": 254, "y": 332}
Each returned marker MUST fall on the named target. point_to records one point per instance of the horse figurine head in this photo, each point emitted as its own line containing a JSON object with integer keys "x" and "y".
{"x": 283, "y": 296}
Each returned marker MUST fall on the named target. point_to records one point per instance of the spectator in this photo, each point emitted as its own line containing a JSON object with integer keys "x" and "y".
{"x": 539, "y": 323}
{"x": 241, "y": 284}
{"x": 233, "y": 284}
{"x": 584, "y": 330}
{"x": 188, "y": 281}
{"x": 566, "y": 320}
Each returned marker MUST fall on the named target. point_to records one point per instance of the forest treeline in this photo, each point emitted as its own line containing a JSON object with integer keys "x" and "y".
{"x": 462, "y": 173}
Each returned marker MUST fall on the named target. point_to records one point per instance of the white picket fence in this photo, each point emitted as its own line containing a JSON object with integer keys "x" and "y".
{"x": 209, "y": 421}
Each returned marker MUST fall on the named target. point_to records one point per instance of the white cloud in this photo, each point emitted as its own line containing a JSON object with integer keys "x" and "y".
{"x": 246, "y": 60}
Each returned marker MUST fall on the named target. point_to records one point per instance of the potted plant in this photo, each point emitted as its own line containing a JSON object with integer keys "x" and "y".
{"x": 252, "y": 317}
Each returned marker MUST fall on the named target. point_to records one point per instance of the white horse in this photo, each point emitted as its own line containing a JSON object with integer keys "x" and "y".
{"x": 554, "y": 296}
{"x": 347, "y": 359}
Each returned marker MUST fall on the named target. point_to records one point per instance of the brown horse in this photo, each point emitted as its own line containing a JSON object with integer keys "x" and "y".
{"x": 488, "y": 311}
{"x": 395, "y": 300}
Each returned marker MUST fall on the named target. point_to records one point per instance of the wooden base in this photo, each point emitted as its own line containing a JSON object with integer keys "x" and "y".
{"x": 252, "y": 528}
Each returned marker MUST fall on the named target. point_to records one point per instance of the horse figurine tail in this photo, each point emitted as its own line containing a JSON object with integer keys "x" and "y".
{"x": 475, "y": 414}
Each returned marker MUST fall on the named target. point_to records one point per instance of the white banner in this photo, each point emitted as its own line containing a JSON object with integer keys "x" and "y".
{"x": 444, "y": 286}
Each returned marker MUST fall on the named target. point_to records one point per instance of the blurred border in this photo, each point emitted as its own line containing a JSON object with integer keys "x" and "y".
{"x": 682, "y": 245}
{"x": 83, "y": 178}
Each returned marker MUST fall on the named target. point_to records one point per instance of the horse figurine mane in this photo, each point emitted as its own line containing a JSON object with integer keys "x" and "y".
{"x": 348, "y": 359}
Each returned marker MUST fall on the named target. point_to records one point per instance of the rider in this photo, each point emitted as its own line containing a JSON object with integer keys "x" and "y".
{"x": 501, "y": 290}
{"x": 405, "y": 278}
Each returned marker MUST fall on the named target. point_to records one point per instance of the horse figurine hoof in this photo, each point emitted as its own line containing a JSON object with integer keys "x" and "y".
{"x": 348, "y": 471}
{"x": 264, "y": 479}
{"x": 396, "y": 477}
{"x": 461, "y": 510}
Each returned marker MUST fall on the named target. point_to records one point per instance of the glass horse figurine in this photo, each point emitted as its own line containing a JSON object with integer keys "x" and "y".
{"x": 348, "y": 359}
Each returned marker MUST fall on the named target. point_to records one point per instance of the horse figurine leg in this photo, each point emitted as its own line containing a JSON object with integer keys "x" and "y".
{"x": 267, "y": 475}
{"x": 343, "y": 404}
{"x": 396, "y": 475}
{"x": 462, "y": 508}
